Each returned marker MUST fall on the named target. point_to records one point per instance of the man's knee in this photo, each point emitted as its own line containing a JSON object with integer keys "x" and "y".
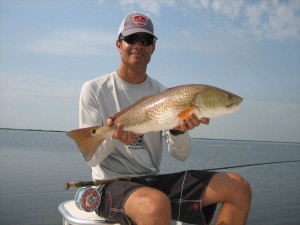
{"x": 228, "y": 187}
{"x": 158, "y": 203}
{"x": 243, "y": 186}
{"x": 241, "y": 189}
{"x": 148, "y": 204}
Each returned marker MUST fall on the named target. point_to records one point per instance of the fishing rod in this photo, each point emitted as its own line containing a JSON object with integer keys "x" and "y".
{"x": 78, "y": 184}
{"x": 254, "y": 164}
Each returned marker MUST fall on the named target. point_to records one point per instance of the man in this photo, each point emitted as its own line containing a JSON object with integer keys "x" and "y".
{"x": 188, "y": 196}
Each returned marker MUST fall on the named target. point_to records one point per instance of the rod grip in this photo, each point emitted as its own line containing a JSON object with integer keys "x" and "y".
{"x": 78, "y": 184}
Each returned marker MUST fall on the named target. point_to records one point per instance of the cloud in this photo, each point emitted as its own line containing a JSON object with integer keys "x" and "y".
{"x": 151, "y": 6}
{"x": 268, "y": 19}
{"x": 262, "y": 19}
{"x": 74, "y": 42}
{"x": 277, "y": 20}
{"x": 38, "y": 101}
{"x": 35, "y": 89}
{"x": 229, "y": 9}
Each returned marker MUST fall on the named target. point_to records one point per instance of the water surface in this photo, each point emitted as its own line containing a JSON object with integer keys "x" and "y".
{"x": 34, "y": 166}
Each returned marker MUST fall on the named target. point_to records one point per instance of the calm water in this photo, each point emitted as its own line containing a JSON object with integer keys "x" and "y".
{"x": 35, "y": 165}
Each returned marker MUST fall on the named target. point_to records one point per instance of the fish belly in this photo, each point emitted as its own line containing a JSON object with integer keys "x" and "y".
{"x": 153, "y": 126}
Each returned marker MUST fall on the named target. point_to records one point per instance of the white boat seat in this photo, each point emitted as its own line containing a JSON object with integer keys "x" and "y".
{"x": 74, "y": 216}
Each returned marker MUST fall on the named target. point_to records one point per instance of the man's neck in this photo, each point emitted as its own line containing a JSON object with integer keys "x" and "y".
{"x": 133, "y": 76}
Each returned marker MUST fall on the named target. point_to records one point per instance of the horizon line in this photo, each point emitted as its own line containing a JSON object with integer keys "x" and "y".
{"x": 203, "y": 138}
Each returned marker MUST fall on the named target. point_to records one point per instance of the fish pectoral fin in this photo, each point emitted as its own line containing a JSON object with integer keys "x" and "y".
{"x": 186, "y": 112}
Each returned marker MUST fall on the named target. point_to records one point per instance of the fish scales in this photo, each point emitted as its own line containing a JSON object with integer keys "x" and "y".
{"x": 160, "y": 112}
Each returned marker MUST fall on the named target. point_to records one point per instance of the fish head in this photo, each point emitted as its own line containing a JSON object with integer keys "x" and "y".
{"x": 213, "y": 102}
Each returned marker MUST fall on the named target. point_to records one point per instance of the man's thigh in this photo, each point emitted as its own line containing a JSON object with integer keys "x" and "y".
{"x": 185, "y": 190}
{"x": 113, "y": 198}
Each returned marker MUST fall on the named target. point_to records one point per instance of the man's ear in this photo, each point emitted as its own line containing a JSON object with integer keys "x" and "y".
{"x": 119, "y": 45}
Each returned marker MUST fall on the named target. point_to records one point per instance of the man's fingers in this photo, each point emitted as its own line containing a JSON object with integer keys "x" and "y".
{"x": 125, "y": 137}
{"x": 205, "y": 120}
{"x": 118, "y": 131}
{"x": 110, "y": 121}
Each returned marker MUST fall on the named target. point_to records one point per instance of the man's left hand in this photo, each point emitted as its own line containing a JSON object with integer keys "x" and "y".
{"x": 190, "y": 123}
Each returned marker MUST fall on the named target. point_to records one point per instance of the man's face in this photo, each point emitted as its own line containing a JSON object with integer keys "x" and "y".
{"x": 134, "y": 49}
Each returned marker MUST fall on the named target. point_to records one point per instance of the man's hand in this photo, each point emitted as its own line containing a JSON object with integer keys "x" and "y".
{"x": 190, "y": 123}
{"x": 126, "y": 137}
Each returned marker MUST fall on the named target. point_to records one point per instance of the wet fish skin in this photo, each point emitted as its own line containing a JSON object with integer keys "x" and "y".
{"x": 160, "y": 112}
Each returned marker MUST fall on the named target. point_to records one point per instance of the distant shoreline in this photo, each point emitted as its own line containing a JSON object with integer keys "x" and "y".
{"x": 211, "y": 139}
{"x": 58, "y": 131}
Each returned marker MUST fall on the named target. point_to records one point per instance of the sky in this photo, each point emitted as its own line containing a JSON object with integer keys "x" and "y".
{"x": 49, "y": 48}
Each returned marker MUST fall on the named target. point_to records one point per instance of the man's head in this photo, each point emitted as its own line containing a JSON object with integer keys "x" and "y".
{"x": 136, "y": 40}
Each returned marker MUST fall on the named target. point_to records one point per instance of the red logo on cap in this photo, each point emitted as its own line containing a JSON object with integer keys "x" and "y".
{"x": 140, "y": 20}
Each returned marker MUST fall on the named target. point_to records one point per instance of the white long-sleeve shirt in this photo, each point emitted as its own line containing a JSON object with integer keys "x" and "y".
{"x": 104, "y": 96}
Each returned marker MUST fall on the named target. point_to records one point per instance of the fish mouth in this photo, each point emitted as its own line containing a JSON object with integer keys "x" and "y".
{"x": 234, "y": 105}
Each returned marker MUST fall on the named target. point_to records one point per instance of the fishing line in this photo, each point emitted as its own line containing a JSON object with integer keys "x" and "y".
{"x": 254, "y": 164}
{"x": 241, "y": 170}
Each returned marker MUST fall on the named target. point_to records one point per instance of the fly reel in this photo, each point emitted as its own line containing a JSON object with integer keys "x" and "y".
{"x": 87, "y": 199}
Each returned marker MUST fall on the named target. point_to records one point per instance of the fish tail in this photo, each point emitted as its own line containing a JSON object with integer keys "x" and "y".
{"x": 88, "y": 140}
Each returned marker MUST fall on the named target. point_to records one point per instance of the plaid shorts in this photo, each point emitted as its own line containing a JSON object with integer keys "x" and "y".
{"x": 185, "y": 190}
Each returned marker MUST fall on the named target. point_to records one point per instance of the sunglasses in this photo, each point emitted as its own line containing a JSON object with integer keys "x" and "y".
{"x": 133, "y": 39}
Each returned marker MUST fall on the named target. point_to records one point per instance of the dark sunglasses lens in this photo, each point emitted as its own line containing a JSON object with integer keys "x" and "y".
{"x": 147, "y": 40}
{"x": 133, "y": 39}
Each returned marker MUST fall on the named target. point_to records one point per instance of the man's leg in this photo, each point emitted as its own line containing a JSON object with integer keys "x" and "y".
{"x": 234, "y": 193}
{"x": 148, "y": 206}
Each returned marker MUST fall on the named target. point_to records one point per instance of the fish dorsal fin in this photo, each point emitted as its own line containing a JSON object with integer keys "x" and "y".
{"x": 170, "y": 88}
{"x": 116, "y": 115}
{"x": 186, "y": 112}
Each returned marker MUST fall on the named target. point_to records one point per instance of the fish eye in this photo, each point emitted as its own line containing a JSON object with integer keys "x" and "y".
{"x": 228, "y": 96}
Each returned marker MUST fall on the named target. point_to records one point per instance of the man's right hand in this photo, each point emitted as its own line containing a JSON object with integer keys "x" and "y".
{"x": 126, "y": 137}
